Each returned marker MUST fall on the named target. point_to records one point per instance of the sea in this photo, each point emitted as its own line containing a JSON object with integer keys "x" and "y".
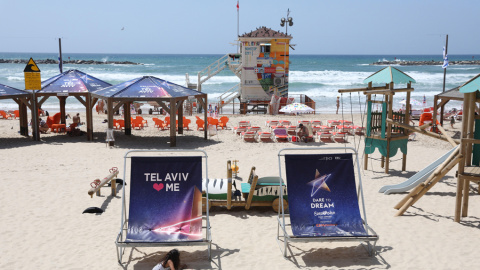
{"x": 317, "y": 76}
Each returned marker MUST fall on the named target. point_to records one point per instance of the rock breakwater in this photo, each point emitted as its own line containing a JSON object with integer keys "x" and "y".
{"x": 78, "y": 62}
{"x": 426, "y": 63}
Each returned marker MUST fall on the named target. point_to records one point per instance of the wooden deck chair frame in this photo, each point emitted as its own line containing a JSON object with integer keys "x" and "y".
{"x": 120, "y": 243}
{"x": 283, "y": 236}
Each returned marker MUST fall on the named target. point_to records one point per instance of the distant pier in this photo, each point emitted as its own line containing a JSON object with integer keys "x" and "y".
{"x": 425, "y": 63}
{"x": 78, "y": 62}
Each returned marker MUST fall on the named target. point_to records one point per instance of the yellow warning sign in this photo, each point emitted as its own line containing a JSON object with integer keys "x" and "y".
{"x": 31, "y": 66}
{"x": 32, "y": 76}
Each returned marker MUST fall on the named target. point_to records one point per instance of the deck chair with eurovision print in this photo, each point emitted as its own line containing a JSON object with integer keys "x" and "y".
{"x": 323, "y": 198}
{"x": 165, "y": 203}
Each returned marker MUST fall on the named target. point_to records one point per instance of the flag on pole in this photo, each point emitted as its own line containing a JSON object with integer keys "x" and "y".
{"x": 237, "y": 5}
{"x": 445, "y": 59}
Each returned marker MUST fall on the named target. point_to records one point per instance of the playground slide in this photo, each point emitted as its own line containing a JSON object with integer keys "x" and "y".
{"x": 416, "y": 178}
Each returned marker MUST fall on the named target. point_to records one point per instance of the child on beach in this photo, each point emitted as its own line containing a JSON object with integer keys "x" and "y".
{"x": 170, "y": 261}
{"x": 452, "y": 120}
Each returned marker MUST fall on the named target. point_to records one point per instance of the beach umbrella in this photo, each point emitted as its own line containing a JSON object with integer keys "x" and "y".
{"x": 149, "y": 88}
{"x": 73, "y": 83}
{"x": 413, "y": 102}
{"x": 296, "y": 108}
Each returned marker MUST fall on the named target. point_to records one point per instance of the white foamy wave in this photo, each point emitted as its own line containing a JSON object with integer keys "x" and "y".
{"x": 15, "y": 78}
{"x": 329, "y": 77}
{"x": 458, "y": 67}
{"x": 424, "y": 78}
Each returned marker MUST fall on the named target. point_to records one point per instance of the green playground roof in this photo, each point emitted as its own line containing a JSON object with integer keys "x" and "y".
{"x": 471, "y": 86}
{"x": 388, "y": 75}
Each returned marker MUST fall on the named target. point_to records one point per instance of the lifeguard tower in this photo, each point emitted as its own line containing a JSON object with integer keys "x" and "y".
{"x": 262, "y": 65}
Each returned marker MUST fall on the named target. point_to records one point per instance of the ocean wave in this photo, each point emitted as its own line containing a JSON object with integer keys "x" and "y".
{"x": 329, "y": 77}
{"x": 15, "y": 78}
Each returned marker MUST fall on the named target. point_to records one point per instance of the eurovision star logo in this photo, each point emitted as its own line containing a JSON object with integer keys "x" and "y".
{"x": 319, "y": 183}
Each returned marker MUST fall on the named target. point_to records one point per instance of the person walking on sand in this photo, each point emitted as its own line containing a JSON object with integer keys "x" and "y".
{"x": 170, "y": 261}
{"x": 338, "y": 103}
{"x": 452, "y": 120}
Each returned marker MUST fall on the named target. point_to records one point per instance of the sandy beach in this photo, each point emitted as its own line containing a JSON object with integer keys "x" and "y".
{"x": 45, "y": 188}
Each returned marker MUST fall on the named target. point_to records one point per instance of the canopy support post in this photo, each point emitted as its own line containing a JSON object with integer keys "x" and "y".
{"x": 173, "y": 120}
{"x": 110, "y": 117}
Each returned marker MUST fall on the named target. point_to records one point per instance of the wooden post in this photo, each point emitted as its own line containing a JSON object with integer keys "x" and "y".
{"x": 62, "y": 101}
{"x": 180, "y": 116}
{"x": 470, "y": 126}
{"x": 88, "y": 107}
{"x": 389, "y": 127}
{"x": 435, "y": 109}
{"x": 407, "y": 110}
{"x": 110, "y": 117}
{"x": 173, "y": 116}
{"x": 369, "y": 125}
{"x": 23, "y": 119}
{"x": 127, "y": 116}
{"x": 460, "y": 182}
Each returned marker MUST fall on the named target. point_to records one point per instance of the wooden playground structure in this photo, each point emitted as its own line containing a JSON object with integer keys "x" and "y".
{"x": 388, "y": 137}
{"x": 467, "y": 155}
{"x": 256, "y": 192}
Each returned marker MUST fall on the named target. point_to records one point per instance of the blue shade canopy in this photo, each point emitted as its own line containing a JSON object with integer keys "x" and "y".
{"x": 10, "y": 92}
{"x": 146, "y": 87}
{"x": 388, "y": 75}
{"x": 72, "y": 81}
{"x": 471, "y": 86}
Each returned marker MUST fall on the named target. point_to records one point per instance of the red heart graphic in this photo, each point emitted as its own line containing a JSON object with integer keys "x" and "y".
{"x": 158, "y": 187}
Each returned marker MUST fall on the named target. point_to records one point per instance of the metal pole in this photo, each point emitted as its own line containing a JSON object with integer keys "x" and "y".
{"x": 60, "y": 60}
{"x": 442, "y": 109}
{"x": 238, "y": 28}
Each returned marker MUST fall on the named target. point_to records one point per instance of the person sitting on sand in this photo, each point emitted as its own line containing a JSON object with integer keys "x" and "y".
{"x": 76, "y": 119}
{"x": 43, "y": 126}
{"x": 302, "y": 133}
{"x": 170, "y": 261}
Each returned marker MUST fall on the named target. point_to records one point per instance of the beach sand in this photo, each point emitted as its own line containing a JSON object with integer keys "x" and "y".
{"x": 45, "y": 188}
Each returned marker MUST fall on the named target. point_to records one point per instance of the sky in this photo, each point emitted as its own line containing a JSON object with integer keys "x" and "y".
{"x": 210, "y": 26}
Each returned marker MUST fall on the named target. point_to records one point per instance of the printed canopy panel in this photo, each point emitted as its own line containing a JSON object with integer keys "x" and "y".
{"x": 388, "y": 75}
{"x": 147, "y": 87}
{"x": 471, "y": 86}
{"x": 72, "y": 81}
{"x": 10, "y": 92}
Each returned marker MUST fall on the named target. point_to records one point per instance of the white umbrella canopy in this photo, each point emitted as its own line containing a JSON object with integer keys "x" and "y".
{"x": 413, "y": 102}
{"x": 296, "y": 108}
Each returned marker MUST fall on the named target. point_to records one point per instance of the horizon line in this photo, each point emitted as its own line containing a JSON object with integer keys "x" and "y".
{"x": 333, "y": 54}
